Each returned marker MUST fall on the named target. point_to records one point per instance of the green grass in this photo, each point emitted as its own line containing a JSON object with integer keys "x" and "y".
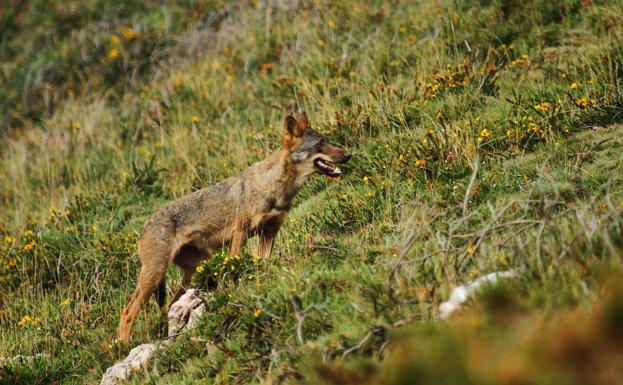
{"x": 486, "y": 136}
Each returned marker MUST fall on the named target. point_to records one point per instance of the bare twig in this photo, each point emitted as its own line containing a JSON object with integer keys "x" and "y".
{"x": 175, "y": 335}
{"x": 359, "y": 345}
{"x": 377, "y": 330}
{"x": 497, "y": 227}
{"x": 300, "y": 317}
{"x": 472, "y": 180}
{"x": 414, "y": 234}
{"x": 263, "y": 309}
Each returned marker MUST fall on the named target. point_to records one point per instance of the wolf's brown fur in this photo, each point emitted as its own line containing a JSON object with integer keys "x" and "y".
{"x": 254, "y": 202}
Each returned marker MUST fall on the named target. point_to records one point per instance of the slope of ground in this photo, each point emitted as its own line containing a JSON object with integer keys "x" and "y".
{"x": 485, "y": 136}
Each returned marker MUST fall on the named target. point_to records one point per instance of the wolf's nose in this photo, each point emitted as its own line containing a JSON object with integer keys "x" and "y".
{"x": 347, "y": 156}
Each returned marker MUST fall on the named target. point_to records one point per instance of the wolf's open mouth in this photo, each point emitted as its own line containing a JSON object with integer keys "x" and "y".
{"x": 327, "y": 169}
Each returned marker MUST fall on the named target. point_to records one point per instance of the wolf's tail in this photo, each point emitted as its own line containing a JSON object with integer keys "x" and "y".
{"x": 161, "y": 293}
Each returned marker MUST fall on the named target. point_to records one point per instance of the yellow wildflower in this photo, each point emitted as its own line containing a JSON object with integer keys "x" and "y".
{"x": 582, "y": 102}
{"x": 8, "y": 239}
{"x": 266, "y": 67}
{"x": 113, "y": 54}
{"x": 533, "y": 127}
{"x": 195, "y": 119}
{"x": 543, "y": 106}
{"x": 129, "y": 33}
{"x": 65, "y": 302}
{"x": 473, "y": 273}
{"x": 177, "y": 80}
{"x": 12, "y": 262}
{"x": 573, "y": 85}
{"x": 470, "y": 249}
{"x": 28, "y": 233}
{"x": 26, "y": 320}
{"x": 484, "y": 134}
{"x": 420, "y": 163}
{"x": 29, "y": 246}
{"x": 257, "y": 313}
{"x": 114, "y": 40}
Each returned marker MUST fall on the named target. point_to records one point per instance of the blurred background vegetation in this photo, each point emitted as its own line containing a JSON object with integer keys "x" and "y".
{"x": 486, "y": 137}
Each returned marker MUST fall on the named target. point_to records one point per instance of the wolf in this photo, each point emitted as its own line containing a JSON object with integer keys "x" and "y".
{"x": 254, "y": 202}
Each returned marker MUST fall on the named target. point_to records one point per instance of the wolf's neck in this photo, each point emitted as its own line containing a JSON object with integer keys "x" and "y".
{"x": 279, "y": 175}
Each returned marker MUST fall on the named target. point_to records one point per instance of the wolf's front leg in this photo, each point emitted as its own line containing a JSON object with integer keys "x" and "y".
{"x": 267, "y": 235}
{"x": 238, "y": 238}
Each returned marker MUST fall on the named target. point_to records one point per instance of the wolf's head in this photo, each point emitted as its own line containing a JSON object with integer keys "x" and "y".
{"x": 309, "y": 150}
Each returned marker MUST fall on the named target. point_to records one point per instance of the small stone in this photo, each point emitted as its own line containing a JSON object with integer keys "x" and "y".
{"x": 136, "y": 360}
{"x": 463, "y": 292}
{"x": 185, "y": 311}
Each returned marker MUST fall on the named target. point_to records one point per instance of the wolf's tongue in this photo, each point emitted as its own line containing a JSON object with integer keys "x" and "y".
{"x": 330, "y": 170}
{"x": 327, "y": 167}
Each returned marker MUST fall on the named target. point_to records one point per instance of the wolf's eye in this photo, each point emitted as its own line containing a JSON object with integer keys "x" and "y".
{"x": 320, "y": 144}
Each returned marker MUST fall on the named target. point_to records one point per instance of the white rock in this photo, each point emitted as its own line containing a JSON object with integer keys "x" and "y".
{"x": 186, "y": 311}
{"x": 136, "y": 359}
{"x": 195, "y": 315}
{"x": 462, "y": 293}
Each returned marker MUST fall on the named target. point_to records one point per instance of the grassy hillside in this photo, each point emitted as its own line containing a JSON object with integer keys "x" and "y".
{"x": 486, "y": 136}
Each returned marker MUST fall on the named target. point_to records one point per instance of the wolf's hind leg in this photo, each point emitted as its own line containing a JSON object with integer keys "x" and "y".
{"x": 155, "y": 257}
{"x": 161, "y": 293}
{"x": 188, "y": 258}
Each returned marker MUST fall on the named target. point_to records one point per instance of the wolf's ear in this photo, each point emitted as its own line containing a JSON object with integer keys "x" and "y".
{"x": 290, "y": 130}
{"x": 302, "y": 120}
{"x": 291, "y": 126}
{"x": 292, "y": 107}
